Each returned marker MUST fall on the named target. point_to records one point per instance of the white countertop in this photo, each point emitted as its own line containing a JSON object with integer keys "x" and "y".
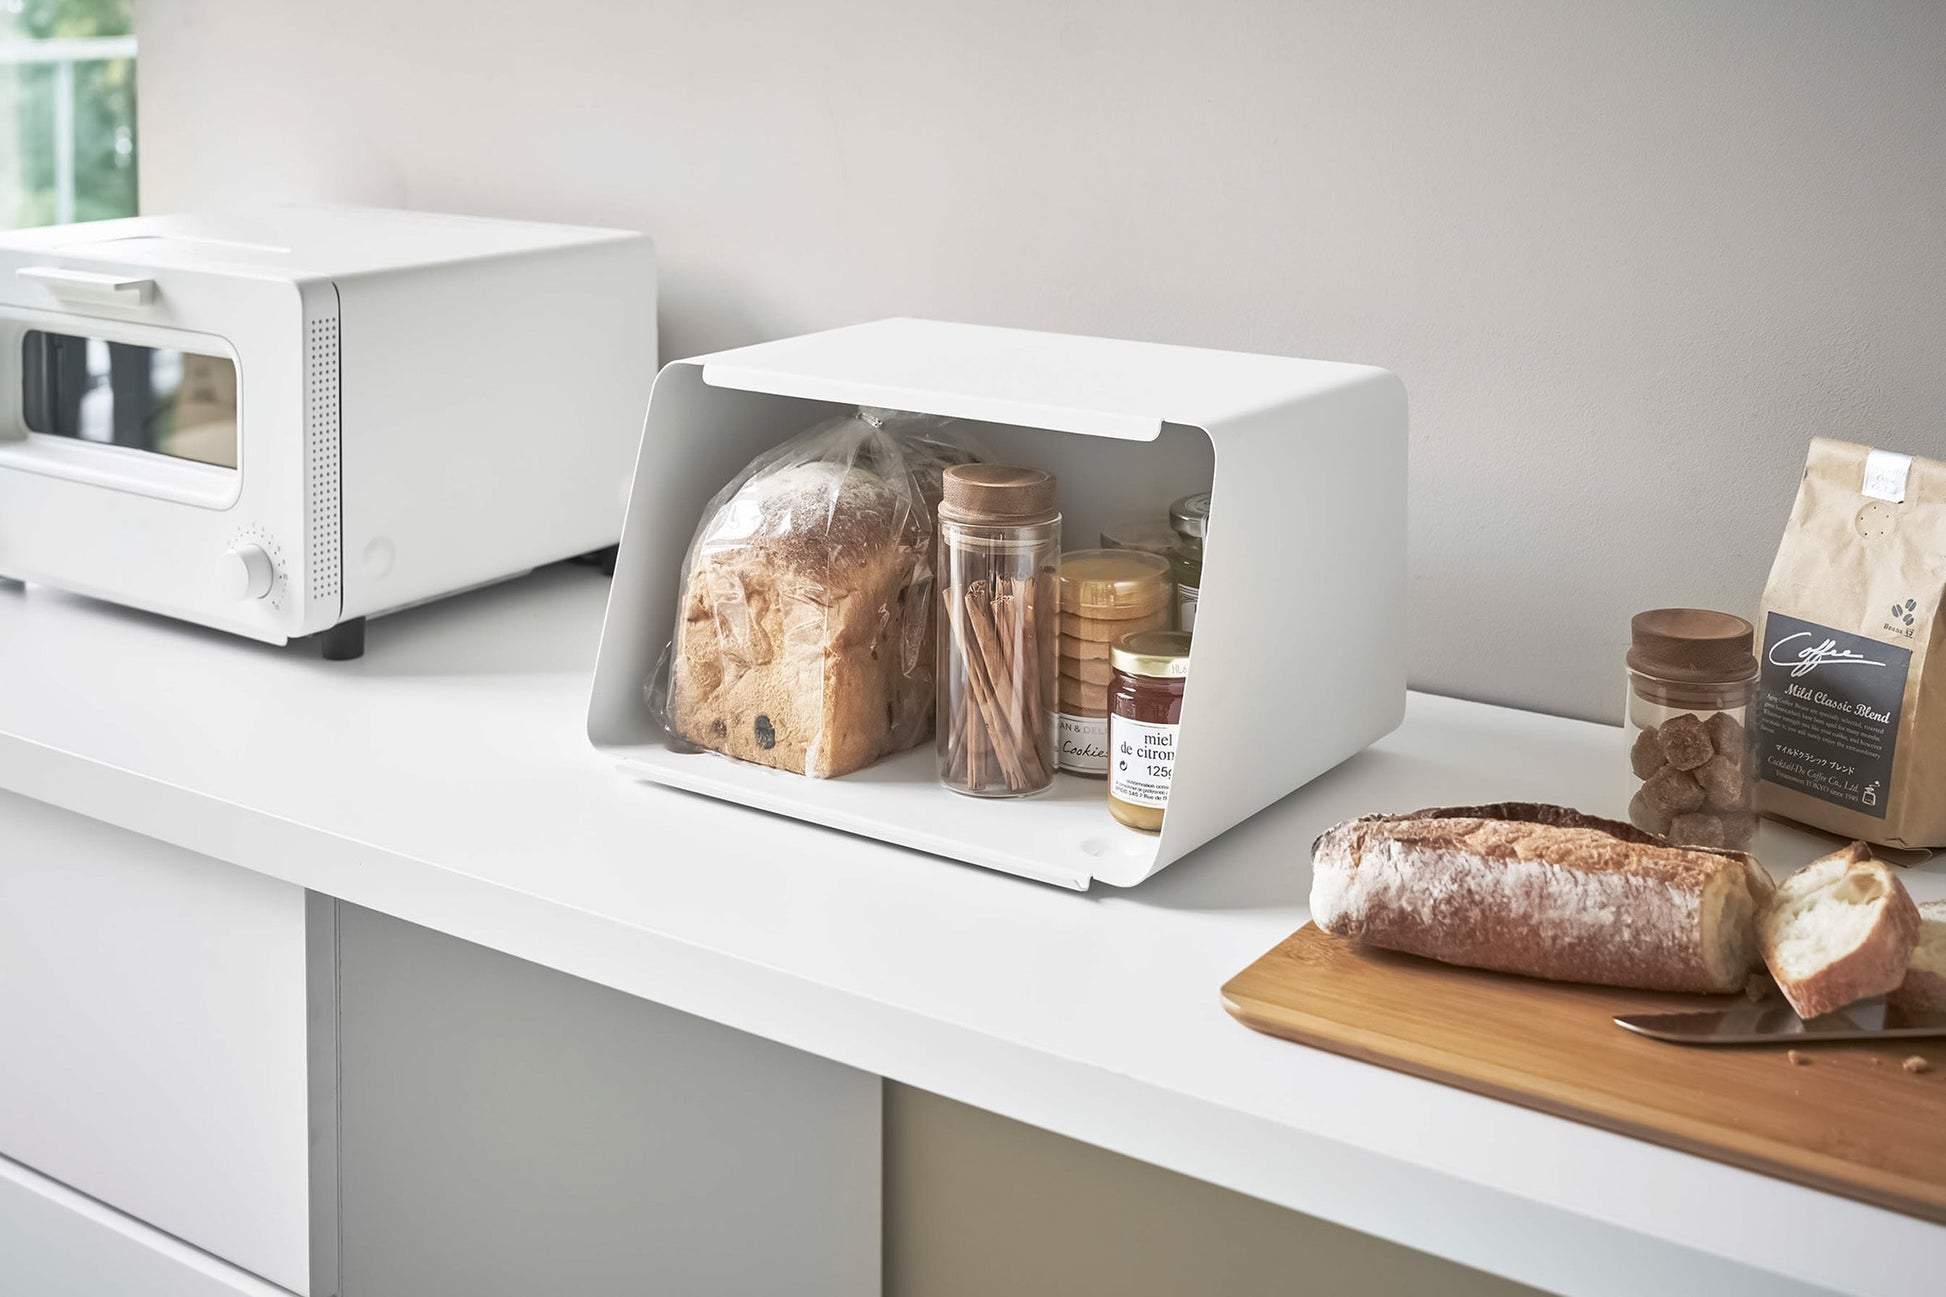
{"x": 446, "y": 779}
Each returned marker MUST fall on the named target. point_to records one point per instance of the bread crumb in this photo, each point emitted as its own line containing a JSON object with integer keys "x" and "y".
{"x": 1916, "y": 1064}
{"x": 1797, "y": 1059}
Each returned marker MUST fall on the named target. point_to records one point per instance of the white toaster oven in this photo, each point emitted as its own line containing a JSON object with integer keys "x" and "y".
{"x": 279, "y": 423}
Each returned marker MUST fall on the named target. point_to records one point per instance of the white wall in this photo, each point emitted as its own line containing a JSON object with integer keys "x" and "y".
{"x": 1627, "y": 257}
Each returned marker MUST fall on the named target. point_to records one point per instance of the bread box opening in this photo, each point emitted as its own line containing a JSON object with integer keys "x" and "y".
{"x": 1309, "y": 486}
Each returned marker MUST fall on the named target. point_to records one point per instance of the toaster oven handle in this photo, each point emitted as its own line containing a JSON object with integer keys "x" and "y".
{"x": 91, "y": 286}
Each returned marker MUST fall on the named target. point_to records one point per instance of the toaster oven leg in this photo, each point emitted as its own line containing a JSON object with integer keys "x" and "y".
{"x": 343, "y": 642}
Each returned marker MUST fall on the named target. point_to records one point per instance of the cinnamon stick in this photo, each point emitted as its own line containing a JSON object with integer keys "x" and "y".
{"x": 978, "y": 758}
{"x": 972, "y": 634}
{"x": 1031, "y": 650}
{"x": 1024, "y": 707}
{"x": 968, "y": 727}
{"x": 1009, "y": 738}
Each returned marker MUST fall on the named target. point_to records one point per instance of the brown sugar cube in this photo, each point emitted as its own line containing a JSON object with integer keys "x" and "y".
{"x": 1646, "y": 817}
{"x": 1085, "y": 650}
{"x": 1673, "y": 792}
{"x": 1727, "y": 736}
{"x": 1717, "y": 830}
{"x": 1087, "y": 670}
{"x": 1723, "y": 785}
{"x": 1646, "y": 755}
{"x": 1739, "y": 827}
{"x": 1699, "y": 829}
{"x": 1685, "y": 743}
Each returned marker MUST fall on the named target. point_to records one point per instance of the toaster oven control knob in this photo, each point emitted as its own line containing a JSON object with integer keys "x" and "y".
{"x": 248, "y": 572}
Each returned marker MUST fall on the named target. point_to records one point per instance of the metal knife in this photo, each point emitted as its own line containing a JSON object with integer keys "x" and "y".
{"x": 1773, "y": 1022}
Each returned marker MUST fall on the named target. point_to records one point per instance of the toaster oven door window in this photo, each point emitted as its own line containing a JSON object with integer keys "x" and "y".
{"x": 157, "y": 399}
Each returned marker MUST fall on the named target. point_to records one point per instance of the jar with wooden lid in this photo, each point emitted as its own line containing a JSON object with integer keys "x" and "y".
{"x": 1692, "y": 677}
{"x": 999, "y": 547}
{"x": 1105, "y": 594}
{"x": 1189, "y": 517}
{"x": 1144, "y": 716}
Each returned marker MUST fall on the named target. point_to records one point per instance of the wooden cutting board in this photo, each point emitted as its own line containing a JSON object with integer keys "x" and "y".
{"x": 1848, "y": 1119}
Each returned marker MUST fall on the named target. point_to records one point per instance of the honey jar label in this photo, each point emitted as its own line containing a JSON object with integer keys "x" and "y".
{"x": 1142, "y": 758}
{"x": 1083, "y": 744}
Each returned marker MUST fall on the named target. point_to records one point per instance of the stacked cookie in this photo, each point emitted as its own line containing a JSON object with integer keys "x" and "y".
{"x": 1105, "y": 594}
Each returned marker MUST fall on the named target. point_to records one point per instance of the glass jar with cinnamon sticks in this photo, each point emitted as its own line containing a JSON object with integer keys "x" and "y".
{"x": 999, "y": 546}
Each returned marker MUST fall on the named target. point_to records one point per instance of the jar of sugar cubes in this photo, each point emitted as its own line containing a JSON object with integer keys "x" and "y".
{"x": 1692, "y": 678}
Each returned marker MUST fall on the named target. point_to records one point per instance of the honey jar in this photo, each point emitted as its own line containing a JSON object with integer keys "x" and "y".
{"x": 1151, "y": 671}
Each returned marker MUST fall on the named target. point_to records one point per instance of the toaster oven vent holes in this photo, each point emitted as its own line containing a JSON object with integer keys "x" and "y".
{"x": 321, "y": 532}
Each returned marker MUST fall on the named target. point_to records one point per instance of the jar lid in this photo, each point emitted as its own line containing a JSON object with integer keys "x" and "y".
{"x": 997, "y": 493}
{"x": 1161, "y": 654}
{"x": 1693, "y": 645}
{"x": 1103, "y": 583}
{"x": 1150, "y": 533}
{"x": 1190, "y": 515}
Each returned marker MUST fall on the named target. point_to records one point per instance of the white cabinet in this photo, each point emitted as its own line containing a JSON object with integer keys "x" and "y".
{"x": 55, "y": 1242}
{"x": 153, "y": 1009}
{"x": 509, "y": 1130}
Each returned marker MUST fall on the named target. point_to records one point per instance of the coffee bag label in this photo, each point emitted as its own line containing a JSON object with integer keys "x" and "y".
{"x": 1828, "y": 713}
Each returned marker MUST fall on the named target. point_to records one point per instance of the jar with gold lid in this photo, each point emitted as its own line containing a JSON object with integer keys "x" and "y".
{"x": 1151, "y": 672}
{"x": 1189, "y": 517}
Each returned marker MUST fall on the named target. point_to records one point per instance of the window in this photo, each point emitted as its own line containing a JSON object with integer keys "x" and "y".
{"x": 67, "y": 111}
{"x": 176, "y": 403}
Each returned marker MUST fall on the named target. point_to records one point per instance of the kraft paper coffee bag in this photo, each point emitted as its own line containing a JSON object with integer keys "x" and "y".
{"x": 1851, "y": 716}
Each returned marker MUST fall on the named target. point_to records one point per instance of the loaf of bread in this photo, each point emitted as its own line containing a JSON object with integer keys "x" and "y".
{"x": 1541, "y": 890}
{"x": 1839, "y": 930}
{"x": 1924, "y": 987}
{"x": 805, "y": 636}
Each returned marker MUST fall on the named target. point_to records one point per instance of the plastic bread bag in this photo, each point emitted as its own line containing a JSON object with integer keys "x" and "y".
{"x": 804, "y": 636}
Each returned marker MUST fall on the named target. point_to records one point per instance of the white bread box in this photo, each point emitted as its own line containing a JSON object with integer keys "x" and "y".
{"x": 1299, "y": 656}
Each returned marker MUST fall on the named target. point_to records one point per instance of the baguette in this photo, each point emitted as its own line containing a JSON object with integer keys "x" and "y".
{"x": 1924, "y": 987}
{"x": 1542, "y": 890}
{"x": 1839, "y": 930}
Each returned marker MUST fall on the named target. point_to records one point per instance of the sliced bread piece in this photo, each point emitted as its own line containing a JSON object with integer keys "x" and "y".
{"x": 1838, "y": 930}
{"x": 1924, "y": 988}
